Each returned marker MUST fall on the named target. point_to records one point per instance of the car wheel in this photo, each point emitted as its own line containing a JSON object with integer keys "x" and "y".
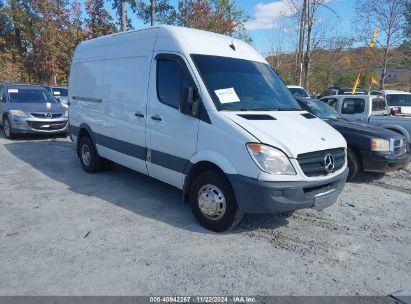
{"x": 213, "y": 202}
{"x": 89, "y": 159}
{"x": 353, "y": 164}
{"x": 8, "y": 131}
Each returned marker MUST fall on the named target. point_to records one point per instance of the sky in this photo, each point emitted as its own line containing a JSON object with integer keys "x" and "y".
{"x": 268, "y": 27}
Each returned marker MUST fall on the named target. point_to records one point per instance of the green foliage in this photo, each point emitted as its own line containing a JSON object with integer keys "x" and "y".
{"x": 164, "y": 12}
{"x": 345, "y": 78}
{"x": 98, "y": 21}
{"x": 220, "y": 16}
{"x": 40, "y": 37}
{"x": 286, "y": 76}
{"x": 116, "y": 4}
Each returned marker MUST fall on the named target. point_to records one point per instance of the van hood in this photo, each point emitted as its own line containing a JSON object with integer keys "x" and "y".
{"x": 290, "y": 131}
{"x": 37, "y": 107}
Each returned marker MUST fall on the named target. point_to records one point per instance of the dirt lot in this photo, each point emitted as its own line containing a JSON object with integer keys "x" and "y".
{"x": 65, "y": 232}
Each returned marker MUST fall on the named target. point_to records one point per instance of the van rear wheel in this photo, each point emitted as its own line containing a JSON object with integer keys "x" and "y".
{"x": 89, "y": 159}
{"x": 213, "y": 202}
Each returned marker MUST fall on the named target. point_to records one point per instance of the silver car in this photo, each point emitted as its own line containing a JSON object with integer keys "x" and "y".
{"x": 28, "y": 108}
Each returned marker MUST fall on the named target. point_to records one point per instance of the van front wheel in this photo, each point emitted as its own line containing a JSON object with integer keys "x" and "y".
{"x": 89, "y": 159}
{"x": 213, "y": 202}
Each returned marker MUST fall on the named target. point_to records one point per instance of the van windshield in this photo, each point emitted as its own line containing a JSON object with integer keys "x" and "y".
{"x": 243, "y": 85}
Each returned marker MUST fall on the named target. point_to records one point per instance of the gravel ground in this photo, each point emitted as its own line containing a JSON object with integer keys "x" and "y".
{"x": 65, "y": 232}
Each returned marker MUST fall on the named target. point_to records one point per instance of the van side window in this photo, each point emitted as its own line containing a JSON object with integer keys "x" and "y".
{"x": 378, "y": 104}
{"x": 353, "y": 106}
{"x": 171, "y": 79}
{"x": 332, "y": 102}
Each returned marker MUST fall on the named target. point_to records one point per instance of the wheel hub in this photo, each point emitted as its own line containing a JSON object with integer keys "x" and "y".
{"x": 211, "y": 202}
{"x": 86, "y": 155}
{"x": 6, "y": 127}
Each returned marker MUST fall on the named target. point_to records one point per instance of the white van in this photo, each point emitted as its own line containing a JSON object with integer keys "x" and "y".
{"x": 207, "y": 114}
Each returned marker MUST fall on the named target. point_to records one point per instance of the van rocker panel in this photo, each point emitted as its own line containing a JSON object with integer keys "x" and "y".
{"x": 255, "y": 196}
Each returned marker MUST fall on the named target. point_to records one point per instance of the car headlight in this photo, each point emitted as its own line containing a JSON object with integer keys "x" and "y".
{"x": 18, "y": 113}
{"x": 270, "y": 160}
{"x": 65, "y": 113}
{"x": 380, "y": 145}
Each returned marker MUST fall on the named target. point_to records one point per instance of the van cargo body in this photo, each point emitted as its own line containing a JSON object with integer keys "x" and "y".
{"x": 205, "y": 113}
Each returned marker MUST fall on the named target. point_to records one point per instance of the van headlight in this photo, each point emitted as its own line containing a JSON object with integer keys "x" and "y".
{"x": 380, "y": 145}
{"x": 270, "y": 160}
{"x": 18, "y": 113}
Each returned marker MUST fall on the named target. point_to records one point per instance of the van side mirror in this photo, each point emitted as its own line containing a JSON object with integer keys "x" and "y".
{"x": 189, "y": 102}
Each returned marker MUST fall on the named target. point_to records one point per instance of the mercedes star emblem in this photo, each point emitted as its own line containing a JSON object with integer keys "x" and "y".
{"x": 329, "y": 163}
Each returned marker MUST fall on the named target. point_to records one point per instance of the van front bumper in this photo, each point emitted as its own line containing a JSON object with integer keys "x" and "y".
{"x": 255, "y": 196}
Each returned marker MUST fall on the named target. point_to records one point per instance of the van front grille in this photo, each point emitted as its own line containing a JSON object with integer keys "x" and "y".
{"x": 313, "y": 163}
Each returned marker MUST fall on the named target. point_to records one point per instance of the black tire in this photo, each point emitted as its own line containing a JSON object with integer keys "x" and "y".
{"x": 354, "y": 165}
{"x": 226, "y": 220}
{"x": 92, "y": 163}
{"x": 7, "y": 130}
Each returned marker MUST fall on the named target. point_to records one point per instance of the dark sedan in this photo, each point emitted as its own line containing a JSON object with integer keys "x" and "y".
{"x": 370, "y": 148}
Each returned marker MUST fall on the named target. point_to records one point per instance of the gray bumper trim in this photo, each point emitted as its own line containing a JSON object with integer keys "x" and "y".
{"x": 254, "y": 196}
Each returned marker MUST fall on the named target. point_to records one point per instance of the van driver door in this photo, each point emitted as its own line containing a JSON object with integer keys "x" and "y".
{"x": 171, "y": 135}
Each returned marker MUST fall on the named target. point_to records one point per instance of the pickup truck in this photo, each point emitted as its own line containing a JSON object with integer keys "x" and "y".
{"x": 370, "y": 148}
{"x": 399, "y": 102}
{"x": 370, "y": 109}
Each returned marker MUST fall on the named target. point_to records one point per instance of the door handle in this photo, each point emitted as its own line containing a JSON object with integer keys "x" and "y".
{"x": 139, "y": 115}
{"x": 156, "y": 118}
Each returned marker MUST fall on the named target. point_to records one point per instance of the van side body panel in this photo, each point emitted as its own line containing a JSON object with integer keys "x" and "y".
{"x": 115, "y": 71}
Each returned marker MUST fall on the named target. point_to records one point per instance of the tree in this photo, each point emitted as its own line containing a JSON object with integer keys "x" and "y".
{"x": 41, "y": 36}
{"x": 389, "y": 18}
{"x": 220, "y": 16}
{"x": 301, "y": 40}
{"x": 98, "y": 20}
{"x": 159, "y": 11}
{"x": 120, "y": 7}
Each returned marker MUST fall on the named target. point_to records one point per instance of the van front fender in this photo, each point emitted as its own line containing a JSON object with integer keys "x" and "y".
{"x": 216, "y": 158}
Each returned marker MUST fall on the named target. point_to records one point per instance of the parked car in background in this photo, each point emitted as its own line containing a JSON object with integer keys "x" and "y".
{"x": 369, "y": 148}
{"x": 28, "y": 108}
{"x": 207, "y": 114}
{"x": 370, "y": 109}
{"x": 298, "y": 91}
{"x": 341, "y": 91}
{"x": 399, "y": 102}
{"x": 61, "y": 94}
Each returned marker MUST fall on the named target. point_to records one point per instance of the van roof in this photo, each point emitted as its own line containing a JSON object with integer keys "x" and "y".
{"x": 170, "y": 39}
